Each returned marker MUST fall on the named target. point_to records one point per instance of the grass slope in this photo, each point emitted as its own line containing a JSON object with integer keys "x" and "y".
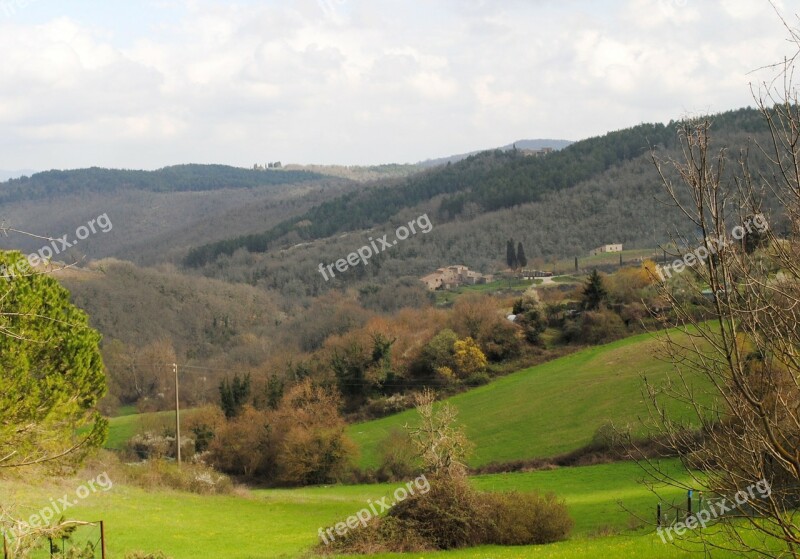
{"x": 284, "y": 523}
{"x": 545, "y": 410}
{"x": 123, "y": 427}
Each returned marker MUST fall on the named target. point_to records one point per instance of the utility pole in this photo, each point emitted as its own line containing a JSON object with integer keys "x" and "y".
{"x": 177, "y": 417}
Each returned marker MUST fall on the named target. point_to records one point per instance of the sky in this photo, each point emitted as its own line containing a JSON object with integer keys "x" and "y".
{"x": 149, "y": 83}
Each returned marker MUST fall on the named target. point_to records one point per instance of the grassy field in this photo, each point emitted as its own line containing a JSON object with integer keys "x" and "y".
{"x": 505, "y": 285}
{"x": 629, "y": 257}
{"x": 122, "y": 427}
{"x": 284, "y": 523}
{"x": 544, "y": 410}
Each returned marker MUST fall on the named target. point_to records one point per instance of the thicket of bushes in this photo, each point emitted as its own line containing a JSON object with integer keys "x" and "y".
{"x": 451, "y": 514}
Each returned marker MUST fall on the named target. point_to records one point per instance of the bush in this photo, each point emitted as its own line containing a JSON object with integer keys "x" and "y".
{"x": 397, "y": 457}
{"x": 193, "y": 478}
{"x": 387, "y": 405}
{"x": 453, "y": 515}
{"x": 501, "y": 341}
{"x": 243, "y": 445}
{"x": 449, "y": 516}
{"x": 595, "y": 327}
{"x": 527, "y": 518}
{"x": 478, "y": 379}
{"x": 144, "y": 555}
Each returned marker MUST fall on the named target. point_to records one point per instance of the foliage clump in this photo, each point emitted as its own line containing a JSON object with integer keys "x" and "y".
{"x": 451, "y": 514}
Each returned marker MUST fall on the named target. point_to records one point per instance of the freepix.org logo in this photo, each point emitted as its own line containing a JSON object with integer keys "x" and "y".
{"x": 717, "y": 509}
{"x": 756, "y": 224}
{"x": 25, "y": 266}
{"x": 421, "y": 224}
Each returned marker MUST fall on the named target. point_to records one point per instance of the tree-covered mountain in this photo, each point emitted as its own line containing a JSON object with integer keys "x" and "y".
{"x": 178, "y": 178}
{"x": 519, "y": 144}
{"x": 482, "y": 183}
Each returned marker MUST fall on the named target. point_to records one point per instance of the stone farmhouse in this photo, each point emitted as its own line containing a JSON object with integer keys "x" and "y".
{"x": 454, "y": 276}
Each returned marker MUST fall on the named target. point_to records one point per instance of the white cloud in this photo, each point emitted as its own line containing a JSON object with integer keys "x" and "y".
{"x": 360, "y": 81}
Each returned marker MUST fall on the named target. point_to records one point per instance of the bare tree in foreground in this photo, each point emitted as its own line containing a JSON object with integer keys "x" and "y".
{"x": 737, "y": 303}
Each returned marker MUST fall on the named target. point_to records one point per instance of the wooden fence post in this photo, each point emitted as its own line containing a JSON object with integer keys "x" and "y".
{"x": 102, "y": 540}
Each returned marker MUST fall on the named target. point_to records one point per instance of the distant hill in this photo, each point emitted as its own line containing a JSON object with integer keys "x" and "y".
{"x": 358, "y": 172}
{"x": 6, "y": 174}
{"x": 520, "y": 144}
{"x": 178, "y": 178}
{"x": 496, "y": 180}
{"x": 561, "y": 205}
{"x": 157, "y": 215}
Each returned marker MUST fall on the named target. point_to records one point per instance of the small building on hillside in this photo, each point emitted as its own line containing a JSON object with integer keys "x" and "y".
{"x": 605, "y": 248}
{"x": 536, "y": 152}
{"x": 453, "y": 276}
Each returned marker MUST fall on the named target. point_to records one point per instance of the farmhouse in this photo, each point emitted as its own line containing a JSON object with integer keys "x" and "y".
{"x": 536, "y": 152}
{"x": 453, "y": 276}
{"x": 605, "y": 248}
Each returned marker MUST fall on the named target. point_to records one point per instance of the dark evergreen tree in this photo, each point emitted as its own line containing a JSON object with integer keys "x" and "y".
{"x": 511, "y": 256}
{"x": 594, "y": 292}
{"x": 522, "y": 260}
{"x": 234, "y": 395}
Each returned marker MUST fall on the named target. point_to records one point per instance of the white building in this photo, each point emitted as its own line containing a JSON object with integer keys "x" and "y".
{"x": 605, "y": 248}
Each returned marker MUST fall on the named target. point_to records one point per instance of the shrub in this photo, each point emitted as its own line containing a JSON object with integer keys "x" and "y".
{"x": 478, "y": 379}
{"x": 438, "y": 352}
{"x": 595, "y": 327}
{"x": 601, "y": 327}
{"x": 314, "y": 456}
{"x": 527, "y": 518}
{"x": 397, "y": 457}
{"x": 468, "y": 357}
{"x": 501, "y": 341}
{"x": 449, "y": 516}
{"x": 453, "y": 515}
{"x": 241, "y": 446}
{"x": 145, "y": 555}
{"x": 150, "y": 445}
{"x": 309, "y": 436}
{"x": 387, "y": 405}
{"x": 193, "y": 478}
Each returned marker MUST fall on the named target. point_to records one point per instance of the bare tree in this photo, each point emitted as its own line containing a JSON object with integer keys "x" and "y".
{"x": 440, "y": 444}
{"x": 735, "y": 293}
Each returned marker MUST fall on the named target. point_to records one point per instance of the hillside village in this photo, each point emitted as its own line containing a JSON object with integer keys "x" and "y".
{"x": 454, "y": 276}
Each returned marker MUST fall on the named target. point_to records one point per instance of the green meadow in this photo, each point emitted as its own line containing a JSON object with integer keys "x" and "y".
{"x": 271, "y": 523}
{"x": 548, "y": 409}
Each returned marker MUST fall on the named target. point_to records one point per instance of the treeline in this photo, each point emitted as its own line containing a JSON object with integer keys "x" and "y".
{"x": 178, "y": 178}
{"x": 367, "y": 208}
{"x": 481, "y": 183}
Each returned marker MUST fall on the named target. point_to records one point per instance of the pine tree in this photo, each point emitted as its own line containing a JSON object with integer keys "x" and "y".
{"x": 594, "y": 292}
{"x": 522, "y": 260}
{"x": 52, "y": 371}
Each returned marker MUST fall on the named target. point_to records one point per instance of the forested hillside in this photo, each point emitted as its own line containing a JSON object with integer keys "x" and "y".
{"x": 486, "y": 182}
{"x": 178, "y": 178}
{"x": 153, "y": 221}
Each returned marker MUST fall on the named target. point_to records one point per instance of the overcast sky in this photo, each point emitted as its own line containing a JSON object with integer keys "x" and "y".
{"x": 149, "y": 83}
